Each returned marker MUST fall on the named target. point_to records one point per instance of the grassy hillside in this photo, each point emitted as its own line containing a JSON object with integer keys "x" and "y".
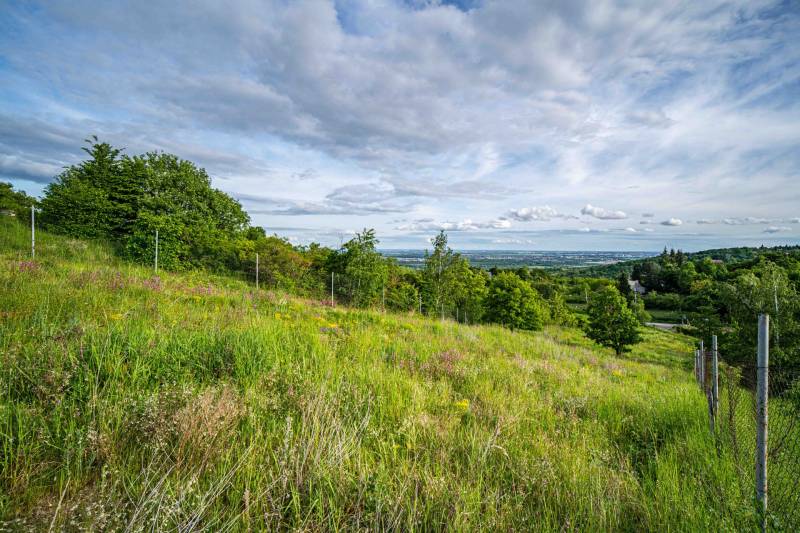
{"x": 192, "y": 401}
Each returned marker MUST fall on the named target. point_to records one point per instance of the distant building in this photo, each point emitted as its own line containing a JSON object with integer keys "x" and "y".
{"x": 7, "y": 213}
{"x": 636, "y": 286}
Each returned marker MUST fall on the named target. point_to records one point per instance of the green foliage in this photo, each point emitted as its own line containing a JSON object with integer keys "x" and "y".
{"x": 611, "y": 322}
{"x": 364, "y": 272}
{"x": 468, "y": 290}
{"x": 624, "y": 287}
{"x": 513, "y": 303}
{"x": 764, "y": 290}
{"x": 15, "y": 203}
{"x": 671, "y": 301}
{"x": 638, "y": 310}
{"x": 126, "y": 199}
{"x": 73, "y": 206}
{"x": 438, "y": 276}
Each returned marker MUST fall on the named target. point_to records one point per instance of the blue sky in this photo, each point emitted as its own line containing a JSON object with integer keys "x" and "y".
{"x": 513, "y": 125}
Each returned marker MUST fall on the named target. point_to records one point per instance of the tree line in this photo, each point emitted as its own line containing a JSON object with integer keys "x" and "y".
{"x": 722, "y": 292}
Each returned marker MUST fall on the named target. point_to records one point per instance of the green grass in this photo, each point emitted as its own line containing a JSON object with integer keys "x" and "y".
{"x": 667, "y": 316}
{"x": 191, "y": 401}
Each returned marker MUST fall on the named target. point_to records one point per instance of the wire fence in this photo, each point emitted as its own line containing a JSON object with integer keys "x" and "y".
{"x": 754, "y": 414}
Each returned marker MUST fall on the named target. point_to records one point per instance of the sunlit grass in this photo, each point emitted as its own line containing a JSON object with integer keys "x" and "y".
{"x": 192, "y": 401}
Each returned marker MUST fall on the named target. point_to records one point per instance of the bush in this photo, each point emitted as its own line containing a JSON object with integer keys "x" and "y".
{"x": 669, "y": 301}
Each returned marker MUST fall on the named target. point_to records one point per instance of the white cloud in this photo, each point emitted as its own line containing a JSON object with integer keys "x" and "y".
{"x": 544, "y": 213}
{"x": 745, "y": 220}
{"x": 427, "y": 224}
{"x": 672, "y": 222}
{"x": 631, "y": 230}
{"x": 777, "y": 229}
{"x": 602, "y": 214}
{"x": 513, "y": 241}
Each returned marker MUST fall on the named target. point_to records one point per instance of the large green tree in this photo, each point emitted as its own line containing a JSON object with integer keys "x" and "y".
{"x": 80, "y": 202}
{"x": 199, "y": 225}
{"x": 611, "y": 323}
{"x": 513, "y": 303}
{"x": 126, "y": 199}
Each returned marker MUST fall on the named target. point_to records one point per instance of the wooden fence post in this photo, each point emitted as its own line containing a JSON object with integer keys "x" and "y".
{"x": 762, "y": 396}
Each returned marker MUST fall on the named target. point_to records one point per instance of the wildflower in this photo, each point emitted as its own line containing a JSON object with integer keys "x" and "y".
{"x": 116, "y": 316}
{"x": 462, "y": 405}
{"x": 278, "y": 316}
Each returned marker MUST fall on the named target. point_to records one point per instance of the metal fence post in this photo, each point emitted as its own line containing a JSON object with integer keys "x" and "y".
{"x": 256, "y": 271}
{"x": 762, "y": 395}
{"x": 33, "y": 232}
{"x": 702, "y": 367}
{"x": 156, "y": 256}
{"x": 714, "y": 378}
{"x": 332, "y": 300}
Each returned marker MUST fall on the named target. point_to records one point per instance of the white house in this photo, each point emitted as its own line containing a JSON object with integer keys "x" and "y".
{"x": 636, "y": 286}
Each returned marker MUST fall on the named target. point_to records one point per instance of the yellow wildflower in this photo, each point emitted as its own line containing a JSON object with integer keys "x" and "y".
{"x": 462, "y": 405}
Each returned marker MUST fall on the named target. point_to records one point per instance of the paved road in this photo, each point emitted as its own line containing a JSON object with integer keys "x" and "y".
{"x": 662, "y": 325}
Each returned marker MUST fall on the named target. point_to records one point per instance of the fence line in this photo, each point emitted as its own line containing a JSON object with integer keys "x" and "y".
{"x": 754, "y": 416}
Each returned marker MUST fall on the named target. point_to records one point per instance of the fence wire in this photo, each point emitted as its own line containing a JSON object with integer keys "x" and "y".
{"x": 735, "y": 422}
{"x": 784, "y": 448}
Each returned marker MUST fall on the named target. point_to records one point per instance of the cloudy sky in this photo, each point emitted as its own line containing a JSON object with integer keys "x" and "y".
{"x": 550, "y": 125}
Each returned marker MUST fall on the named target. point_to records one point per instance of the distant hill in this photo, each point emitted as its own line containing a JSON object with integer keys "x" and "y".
{"x": 726, "y": 255}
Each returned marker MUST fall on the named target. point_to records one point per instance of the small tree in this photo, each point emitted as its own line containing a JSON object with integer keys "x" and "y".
{"x": 513, "y": 303}
{"x": 438, "y": 275}
{"x": 611, "y": 322}
{"x": 364, "y": 269}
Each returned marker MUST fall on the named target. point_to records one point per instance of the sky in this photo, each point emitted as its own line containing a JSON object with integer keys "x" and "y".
{"x": 516, "y": 124}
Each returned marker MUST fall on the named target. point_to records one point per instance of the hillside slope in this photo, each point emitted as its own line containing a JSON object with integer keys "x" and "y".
{"x": 192, "y": 401}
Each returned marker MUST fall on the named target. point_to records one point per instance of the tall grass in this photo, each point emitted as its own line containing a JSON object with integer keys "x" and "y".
{"x": 192, "y": 402}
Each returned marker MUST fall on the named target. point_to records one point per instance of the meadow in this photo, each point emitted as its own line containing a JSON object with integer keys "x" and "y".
{"x": 130, "y": 401}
